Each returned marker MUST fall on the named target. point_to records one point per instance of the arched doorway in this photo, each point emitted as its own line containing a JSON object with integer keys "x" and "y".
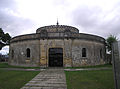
{"x": 55, "y": 57}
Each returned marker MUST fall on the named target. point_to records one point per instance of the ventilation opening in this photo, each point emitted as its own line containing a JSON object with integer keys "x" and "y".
{"x": 28, "y": 52}
{"x": 83, "y": 52}
{"x": 12, "y": 53}
{"x": 100, "y": 53}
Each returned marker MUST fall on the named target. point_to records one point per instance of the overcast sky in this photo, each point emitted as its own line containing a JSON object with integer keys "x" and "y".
{"x": 98, "y": 17}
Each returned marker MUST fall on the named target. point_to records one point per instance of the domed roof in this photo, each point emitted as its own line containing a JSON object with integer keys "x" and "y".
{"x": 57, "y": 28}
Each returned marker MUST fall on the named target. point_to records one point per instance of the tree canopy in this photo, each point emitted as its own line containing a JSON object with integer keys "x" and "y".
{"x": 110, "y": 40}
{"x": 4, "y": 39}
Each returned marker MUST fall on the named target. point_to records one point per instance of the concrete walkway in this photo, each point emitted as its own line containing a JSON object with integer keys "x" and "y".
{"x": 66, "y": 69}
{"x": 48, "y": 79}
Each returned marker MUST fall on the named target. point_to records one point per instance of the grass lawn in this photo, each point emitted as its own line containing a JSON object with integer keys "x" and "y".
{"x": 15, "y": 79}
{"x": 5, "y": 65}
{"x": 95, "y": 66}
{"x": 96, "y": 79}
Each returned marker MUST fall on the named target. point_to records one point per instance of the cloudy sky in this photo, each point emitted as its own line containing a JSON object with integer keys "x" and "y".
{"x": 98, "y": 17}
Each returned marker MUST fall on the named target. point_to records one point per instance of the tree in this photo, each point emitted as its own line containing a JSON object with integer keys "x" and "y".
{"x": 110, "y": 40}
{"x": 4, "y": 39}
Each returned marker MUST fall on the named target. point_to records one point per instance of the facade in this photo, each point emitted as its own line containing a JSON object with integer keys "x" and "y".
{"x": 57, "y": 46}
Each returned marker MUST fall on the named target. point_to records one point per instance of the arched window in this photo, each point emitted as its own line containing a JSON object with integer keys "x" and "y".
{"x": 83, "y": 52}
{"x": 28, "y": 52}
{"x": 100, "y": 53}
{"x": 12, "y": 53}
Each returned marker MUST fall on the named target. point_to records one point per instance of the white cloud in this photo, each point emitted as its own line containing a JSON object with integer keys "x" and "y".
{"x": 100, "y": 17}
{"x": 5, "y": 50}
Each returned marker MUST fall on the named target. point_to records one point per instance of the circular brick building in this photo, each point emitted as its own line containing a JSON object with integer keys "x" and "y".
{"x": 57, "y": 46}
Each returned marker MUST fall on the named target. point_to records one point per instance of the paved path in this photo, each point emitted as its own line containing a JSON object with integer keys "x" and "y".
{"x": 48, "y": 79}
{"x": 81, "y": 69}
{"x": 67, "y": 69}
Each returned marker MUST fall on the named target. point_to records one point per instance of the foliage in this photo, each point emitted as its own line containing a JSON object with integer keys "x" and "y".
{"x": 110, "y": 40}
{"x": 15, "y": 79}
{"x": 4, "y": 39}
{"x": 96, "y": 79}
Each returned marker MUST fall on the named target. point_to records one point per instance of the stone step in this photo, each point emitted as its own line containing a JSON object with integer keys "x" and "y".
{"x": 46, "y": 82}
{"x": 43, "y": 88}
{"x": 49, "y": 77}
{"x": 45, "y": 85}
